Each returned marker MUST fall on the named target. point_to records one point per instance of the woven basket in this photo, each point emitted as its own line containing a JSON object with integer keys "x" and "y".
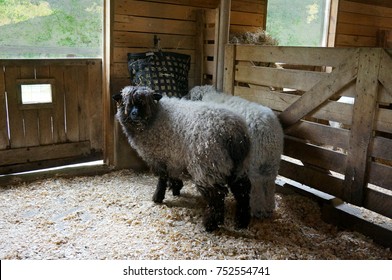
{"x": 164, "y": 72}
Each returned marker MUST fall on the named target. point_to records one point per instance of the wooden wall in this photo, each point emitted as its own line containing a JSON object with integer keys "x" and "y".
{"x": 184, "y": 26}
{"x": 358, "y": 23}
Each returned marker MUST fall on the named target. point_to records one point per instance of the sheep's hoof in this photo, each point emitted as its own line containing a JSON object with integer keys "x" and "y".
{"x": 176, "y": 186}
{"x": 210, "y": 225}
{"x": 243, "y": 223}
{"x": 242, "y": 219}
{"x": 158, "y": 196}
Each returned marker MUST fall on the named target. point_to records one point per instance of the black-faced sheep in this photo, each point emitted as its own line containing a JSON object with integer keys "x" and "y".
{"x": 181, "y": 139}
{"x": 266, "y": 136}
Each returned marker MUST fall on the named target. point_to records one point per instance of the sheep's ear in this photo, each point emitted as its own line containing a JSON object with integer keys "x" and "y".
{"x": 117, "y": 97}
{"x": 157, "y": 96}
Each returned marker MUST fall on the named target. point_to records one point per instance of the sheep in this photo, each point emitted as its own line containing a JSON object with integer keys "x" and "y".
{"x": 182, "y": 139}
{"x": 266, "y": 136}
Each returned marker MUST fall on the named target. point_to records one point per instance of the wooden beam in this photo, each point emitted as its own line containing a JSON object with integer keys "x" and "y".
{"x": 385, "y": 74}
{"x": 224, "y": 26}
{"x": 319, "y": 93}
{"x": 362, "y": 125}
{"x": 199, "y": 46}
{"x": 4, "y": 141}
{"x": 228, "y": 82}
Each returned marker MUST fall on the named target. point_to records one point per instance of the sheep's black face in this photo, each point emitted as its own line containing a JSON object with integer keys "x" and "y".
{"x": 136, "y": 106}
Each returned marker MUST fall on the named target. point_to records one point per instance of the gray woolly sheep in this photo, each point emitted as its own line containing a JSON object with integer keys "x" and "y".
{"x": 183, "y": 139}
{"x": 266, "y": 136}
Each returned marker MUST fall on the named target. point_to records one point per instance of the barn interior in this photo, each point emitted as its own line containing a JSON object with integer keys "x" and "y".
{"x": 334, "y": 189}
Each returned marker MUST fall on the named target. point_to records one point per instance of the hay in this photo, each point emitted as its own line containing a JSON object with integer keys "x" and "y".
{"x": 112, "y": 217}
{"x": 259, "y": 37}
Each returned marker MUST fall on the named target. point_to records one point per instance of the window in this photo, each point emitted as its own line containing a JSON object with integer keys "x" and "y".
{"x": 298, "y": 22}
{"x": 35, "y": 93}
{"x": 51, "y": 29}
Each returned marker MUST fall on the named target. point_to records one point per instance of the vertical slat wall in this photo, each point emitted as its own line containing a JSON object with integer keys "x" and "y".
{"x": 69, "y": 127}
{"x": 352, "y": 161}
{"x": 358, "y": 23}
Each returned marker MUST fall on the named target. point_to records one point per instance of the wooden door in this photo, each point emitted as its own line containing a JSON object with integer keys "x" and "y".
{"x": 65, "y": 129}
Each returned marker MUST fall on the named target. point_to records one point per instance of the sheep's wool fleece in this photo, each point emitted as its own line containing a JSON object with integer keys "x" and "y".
{"x": 266, "y": 136}
{"x": 187, "y": 138}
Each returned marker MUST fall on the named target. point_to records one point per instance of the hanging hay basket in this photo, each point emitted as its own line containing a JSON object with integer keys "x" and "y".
{"x": 164, "y": 72}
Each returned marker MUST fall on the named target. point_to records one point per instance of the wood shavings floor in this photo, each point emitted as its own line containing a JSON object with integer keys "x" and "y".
{"x": 112, "y": 217}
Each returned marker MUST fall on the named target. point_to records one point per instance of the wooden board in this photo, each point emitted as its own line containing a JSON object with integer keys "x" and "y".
{"x": 4, "y": 141}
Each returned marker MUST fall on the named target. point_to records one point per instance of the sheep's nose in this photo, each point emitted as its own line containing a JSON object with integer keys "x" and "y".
{"x": 134, "y": 114}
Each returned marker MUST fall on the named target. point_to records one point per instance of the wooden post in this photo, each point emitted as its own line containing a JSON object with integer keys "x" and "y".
{"x": 224, "y": 28}
{"x": 199, "y": 43}
{"x": 362, "y": 125}
{"x": 228, "y": 79}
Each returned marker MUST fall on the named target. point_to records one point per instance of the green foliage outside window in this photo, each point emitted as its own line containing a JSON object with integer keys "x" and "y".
{"x": 52, "y": 28}
{"x": 297, "y": 22}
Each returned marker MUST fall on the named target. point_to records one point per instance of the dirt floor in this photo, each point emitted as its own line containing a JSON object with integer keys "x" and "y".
{"x": 112, "y": 217}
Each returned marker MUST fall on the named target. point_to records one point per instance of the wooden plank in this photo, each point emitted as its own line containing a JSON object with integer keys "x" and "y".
{"x": 17, "y": 138}
{"x": 125, "y": 39}
{"x": 376, "y": 7}
{"x": 295, "y": 79}
{"x": 45, "y": 121}
{"x": 362, "y": 125}
{"x": 355, "y": 41}
{"x": 383, "y": 120}
{"x": 344, "y": 215}
{"x": 246, "y": 18}
{"x": 381, "y": 148}
{"x": 380, "y": 175}
{"x": 47, "y": 62}
{"x": 199, "y": 44}
{"x": 314, "y": 155}
{"x": 30, "y": 117}
{"x": 321, "y": 134}
{"x": 378, "y": 202}
{"x": 65, "y": 172}
{"x": 71, "y": 80}
{"x": 4, "y": 141}
{"x": 82, "y": 103}
{"x": 327, "y": 87}
{"x": 294, "y": 55}
{"x": 275, "y": 100}
{"x": 250, "y": 7}
{"x": 194, "y": 3}
{"x": 150, "y": 9}
{"x": 311, "y": 177}
{"x": 363, "y": 19}
{"x": 153, "y": 25}
{"x": 58, "y": 122}
{"x": 45, "y": 115}
{"x": 95, "y": 106}
{"x": 352, "y": 29}
{"x": 120, "y": 54}
{"x": 228, "y": 77}
{"x": 385, "y": 75}
{"x": 24, "y": 155}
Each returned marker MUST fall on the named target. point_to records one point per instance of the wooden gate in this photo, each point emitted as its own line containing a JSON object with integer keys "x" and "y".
{"x": 65, "y": 129}
{"x": 352, "y": 161}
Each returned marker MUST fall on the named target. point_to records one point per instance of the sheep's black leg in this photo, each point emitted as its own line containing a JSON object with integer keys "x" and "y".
{"x": 175, "y": 185}
{"x": 215, "y": 210}
{"x": 241, "y": 190}
{"x": 160, "y": 191}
